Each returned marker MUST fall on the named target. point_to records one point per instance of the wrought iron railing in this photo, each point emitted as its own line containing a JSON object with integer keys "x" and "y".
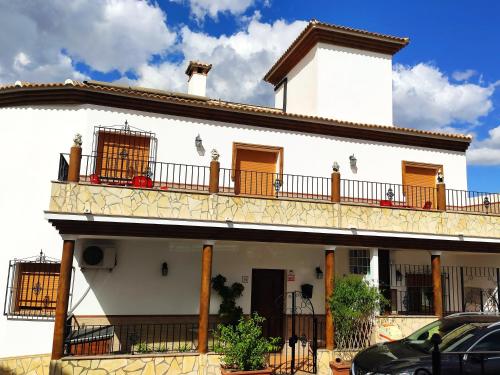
{"x": 134, "y": 338}
{"x": 279, "y": 185}
{"x": 123, "y": 170}
{"x": 472, "y": 201}
{"x": 464, "y": 289}
{"x": 388, "y": 195}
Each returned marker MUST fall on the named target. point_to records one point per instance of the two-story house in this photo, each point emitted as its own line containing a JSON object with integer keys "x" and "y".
{"x": 111, "y": 241}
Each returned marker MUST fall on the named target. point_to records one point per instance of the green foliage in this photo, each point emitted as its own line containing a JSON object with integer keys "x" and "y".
{"x": 352, "y": 302}
{"x": 242, "y": 345}
{"x": 229, "y": 313}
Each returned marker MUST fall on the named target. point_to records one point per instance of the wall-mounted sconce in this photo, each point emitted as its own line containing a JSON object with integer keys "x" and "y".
{"x": 336, "y": 166}
{"x": 277, "y": 186}
{"x": 353, "y": 161}
{"x": 164, "y": 269}
{"x": 319, "y": 273}
{"x": 198, "y": 142}
{"x": 389, "y": 194}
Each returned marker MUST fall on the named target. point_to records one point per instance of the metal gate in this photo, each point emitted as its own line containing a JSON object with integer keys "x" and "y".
{"x": 298, "y": 350}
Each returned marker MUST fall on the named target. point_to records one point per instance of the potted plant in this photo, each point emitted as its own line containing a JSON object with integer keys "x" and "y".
{"x": 354, "y": 304}
{"x": 243, "y": 348}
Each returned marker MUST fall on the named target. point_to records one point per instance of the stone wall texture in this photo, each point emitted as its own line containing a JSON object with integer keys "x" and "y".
{"x": 30, "y": 364}
{"x": 124, "y": 201}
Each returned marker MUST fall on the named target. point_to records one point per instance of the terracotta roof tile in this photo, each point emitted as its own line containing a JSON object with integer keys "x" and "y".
{"x": 181, "y": 98}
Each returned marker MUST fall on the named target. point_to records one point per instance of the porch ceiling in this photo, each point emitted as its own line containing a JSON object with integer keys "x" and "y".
{"x": 103, "y": 228}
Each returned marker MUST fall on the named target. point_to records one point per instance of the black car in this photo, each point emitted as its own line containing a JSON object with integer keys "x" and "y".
{"x": 470, "y": 344}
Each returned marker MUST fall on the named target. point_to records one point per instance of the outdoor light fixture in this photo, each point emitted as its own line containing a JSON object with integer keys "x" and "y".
{"x": 164, "y": 269}
{"x": 123, "y": 153}
{"x": 336, "y": 166}
{"x": 277, "y": 186}
{"x": 353, "y": 161}
{"x": 319, "y": 273}
{"x": 198, "y": 142}
{"x": 389, "y": 194}
{"x": 126, "y": 126}
{"x": 303, "y": 340}
{"x": 486, "y": 203}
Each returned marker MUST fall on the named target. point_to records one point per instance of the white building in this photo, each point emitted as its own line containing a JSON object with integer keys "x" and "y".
{"x": 150, "y": 201}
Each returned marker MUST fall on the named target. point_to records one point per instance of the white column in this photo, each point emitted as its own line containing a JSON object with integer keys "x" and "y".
{"x": 373, "y": 280}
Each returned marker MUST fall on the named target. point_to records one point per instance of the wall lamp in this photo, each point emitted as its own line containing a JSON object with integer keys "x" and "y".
{"x": 319, "y": 273}
{"x": 198, "y": 142}
{"x": 164, "y": 269}
{"x": 353, "y": 161}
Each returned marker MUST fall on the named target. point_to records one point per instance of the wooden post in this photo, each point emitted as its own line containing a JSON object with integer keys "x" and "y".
{"x": 335, "y": 187}
{"x": 441, "y": 196}
{"x": 206, "y": 280}
{"x": 63, "y": 299}
{"x": 329, "y": 284}
{"x": 213, "y": 187}
{"x": 75, "y": 159}
{"x": 436, "y": 283}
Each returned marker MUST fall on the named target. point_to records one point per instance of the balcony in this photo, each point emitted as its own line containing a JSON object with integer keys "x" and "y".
{"x": 211, "y": 193}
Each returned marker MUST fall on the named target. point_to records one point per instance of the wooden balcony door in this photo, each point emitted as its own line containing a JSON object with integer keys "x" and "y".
{"x": 256, "y": 168}
{"x": 121, "y": 156}
{"x": 419, "y": 180}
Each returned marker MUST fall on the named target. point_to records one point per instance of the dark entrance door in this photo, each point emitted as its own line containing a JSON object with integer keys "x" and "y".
{"x": 267, "y": 299}
{"x": 384, "y": 274}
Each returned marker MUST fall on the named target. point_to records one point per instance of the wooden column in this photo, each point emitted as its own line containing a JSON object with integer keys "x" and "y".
{"x": 206, "y": 279}
{"x": 335, "y": 187}
{"x": 75, "y": 159}
{"x": 441, "y": 196}
{"x": 63, "y": 299}
{"x": 436, "y": 283}
{"x": 213, "y": 186}
{"x": 329, "y": 284}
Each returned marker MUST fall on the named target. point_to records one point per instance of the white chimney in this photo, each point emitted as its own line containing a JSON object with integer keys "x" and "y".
{"x": 197, "y": 81}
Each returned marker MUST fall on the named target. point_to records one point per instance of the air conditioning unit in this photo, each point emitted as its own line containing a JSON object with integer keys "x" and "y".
{"x": 97, "y": 257}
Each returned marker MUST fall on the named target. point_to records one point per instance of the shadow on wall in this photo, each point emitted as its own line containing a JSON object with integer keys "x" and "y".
{"x": 6, "y": 370}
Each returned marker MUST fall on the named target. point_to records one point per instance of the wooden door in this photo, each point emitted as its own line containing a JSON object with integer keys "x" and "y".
{"x": 268, "y": 288}
{"x": 384, "y": 275}
{"x": 420, "y": 185}
{"x": 255, "y": 172}
{"x": 121, "y": 156}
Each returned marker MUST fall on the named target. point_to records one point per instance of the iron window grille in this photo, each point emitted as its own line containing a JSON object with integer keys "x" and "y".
{"x": 32, "y": 284}
{"x": 359, "y": 261}
{"x": 121, "y": 152}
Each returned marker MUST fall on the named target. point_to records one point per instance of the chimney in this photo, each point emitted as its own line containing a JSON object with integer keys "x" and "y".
{"x": 197, "y": 82}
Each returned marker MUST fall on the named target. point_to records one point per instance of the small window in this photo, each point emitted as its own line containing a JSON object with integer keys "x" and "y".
{"x": 359, "y": 261}
{"x": 32, "y": 288}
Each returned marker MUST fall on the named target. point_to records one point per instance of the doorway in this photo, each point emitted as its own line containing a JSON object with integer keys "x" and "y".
{"x": 268, "y": 289}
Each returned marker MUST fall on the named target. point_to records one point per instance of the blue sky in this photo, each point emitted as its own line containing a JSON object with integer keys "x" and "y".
{"x": 447, "y": 79}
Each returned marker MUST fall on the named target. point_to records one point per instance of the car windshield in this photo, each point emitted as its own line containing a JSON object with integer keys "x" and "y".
{"x": 453, "y": 333}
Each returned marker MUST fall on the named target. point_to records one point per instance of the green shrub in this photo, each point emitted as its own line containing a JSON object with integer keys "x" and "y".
{"x": 353, "y": 302}
{"x": 229, "y": 313}
{"x": 242, "y": 346}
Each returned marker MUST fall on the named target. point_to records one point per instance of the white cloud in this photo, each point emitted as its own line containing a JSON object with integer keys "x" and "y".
{"x": 463, "y": 75}
{"x": 43, "y": 42}
{"x": 424, "y": 98}
{"x": 239, "y": 60}
{"x": 487, "y": 151}
{"x": 202, "y": 8}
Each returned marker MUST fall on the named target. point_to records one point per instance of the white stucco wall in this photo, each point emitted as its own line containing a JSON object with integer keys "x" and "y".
{"x": 302, "y": 86}
{"x": 32, "y": 138}
{"x": 341, "y": 83}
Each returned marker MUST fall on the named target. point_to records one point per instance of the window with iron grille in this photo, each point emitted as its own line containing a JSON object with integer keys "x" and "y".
{"x": 122, "y": 152}
{"x": 32, "y": 288}
{"x": 359, "y": 261}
